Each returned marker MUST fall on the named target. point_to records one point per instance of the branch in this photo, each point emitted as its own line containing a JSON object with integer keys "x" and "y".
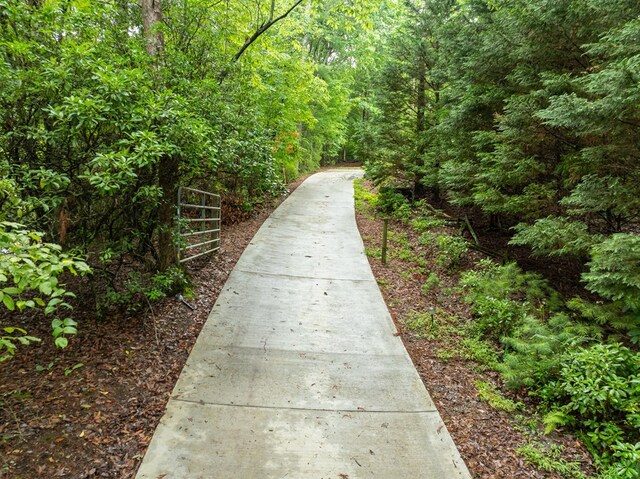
{"x": 264, "y": 27}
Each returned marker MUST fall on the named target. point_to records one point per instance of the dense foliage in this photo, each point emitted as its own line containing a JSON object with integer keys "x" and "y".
{"x": 527, "y": 112}
{"x": 104, "y": 113}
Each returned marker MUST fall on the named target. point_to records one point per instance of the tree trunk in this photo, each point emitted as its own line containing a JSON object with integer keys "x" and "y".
{"x": 168, "y": 167}
{"x": 151, "y": 17}
{"x": 436, "y": 166}
{"x": 421, "y": 100}
{"x": 168, "y": 176}
{"x": 421, "y": 106}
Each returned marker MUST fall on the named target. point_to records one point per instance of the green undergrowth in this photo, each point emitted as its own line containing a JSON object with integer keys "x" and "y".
{"x": 491, "y": 395}
{"x": 364, "y": 198}
{"x": 550, "y": 458}
{"x": 576, "y": 358}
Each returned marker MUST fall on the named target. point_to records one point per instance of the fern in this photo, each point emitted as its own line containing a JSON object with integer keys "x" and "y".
{"x": 614, "y": 270}
{"x": 555, "y": 237}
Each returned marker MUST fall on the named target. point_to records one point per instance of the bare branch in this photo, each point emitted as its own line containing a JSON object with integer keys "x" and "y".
{"x": 264, "y": 27}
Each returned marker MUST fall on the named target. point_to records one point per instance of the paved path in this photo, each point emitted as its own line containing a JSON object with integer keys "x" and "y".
{"x": 297, "y": 373}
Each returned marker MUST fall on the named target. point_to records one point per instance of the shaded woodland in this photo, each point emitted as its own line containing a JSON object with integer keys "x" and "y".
{"x": 520, "y": 119}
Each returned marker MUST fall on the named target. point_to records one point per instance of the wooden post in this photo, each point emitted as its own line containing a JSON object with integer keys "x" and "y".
{"x": 385, "y": 229}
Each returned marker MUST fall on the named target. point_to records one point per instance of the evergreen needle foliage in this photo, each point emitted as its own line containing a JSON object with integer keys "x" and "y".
{"x": 527, "y": 111}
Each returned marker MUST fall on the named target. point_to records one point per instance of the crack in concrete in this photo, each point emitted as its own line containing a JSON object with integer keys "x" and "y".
{"x": 291, "y": 408}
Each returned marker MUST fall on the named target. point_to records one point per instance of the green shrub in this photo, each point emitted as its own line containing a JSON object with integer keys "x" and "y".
{"x": 509, "y": 282}
{"x": 496, "y": 317}
{"x": 614, "y": 270}
{"x": 598, "y": 392}
{"x": 390, "y": 202}
{"x": 554, "y": 237}
{"x": 403, "y": 212}
{"x": 451, "y": 250}
{"x": 490, "y": 394}
{"x": 625, "y": 463}
{"x": 136, "y": 293}
{"x": 432, "y": 282}
{"x": 533, "y": 353}
{"x": 29, "y": 271}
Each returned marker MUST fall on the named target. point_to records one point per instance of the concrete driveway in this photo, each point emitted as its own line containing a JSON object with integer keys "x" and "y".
{"x": 298, "y": 373}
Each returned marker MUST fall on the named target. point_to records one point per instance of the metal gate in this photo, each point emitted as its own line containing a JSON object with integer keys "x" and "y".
{"x": 199, "y": 222}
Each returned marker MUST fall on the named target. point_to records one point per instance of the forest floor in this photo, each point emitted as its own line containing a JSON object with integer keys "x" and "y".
{"x": 488, "y": 423}
{"x": 90, "y": 411}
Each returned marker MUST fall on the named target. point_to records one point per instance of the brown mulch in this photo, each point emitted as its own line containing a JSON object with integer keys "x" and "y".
{"x": 89, "y": 411}
{"x": 486, "y": 438}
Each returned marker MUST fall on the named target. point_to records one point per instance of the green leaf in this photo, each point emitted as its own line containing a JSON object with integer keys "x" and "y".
{"x": 46, "y": 288}
{"x": 61, "y": 342}
{"x": 58, "y": 292}
{"x": 8, "y": 302}
{"x": 13, "y": 329}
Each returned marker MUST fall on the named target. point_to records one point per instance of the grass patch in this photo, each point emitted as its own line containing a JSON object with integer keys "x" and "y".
{"x": 365, "y": 200}
{"x": 491, "y": 395}
{"x": 471, "y": 348}
{"x": 432, "y": 282}
{"x": 422, "y": 324}
{"x": 549, "y": 459}
{"x": 433, "y": 324}
{"x": 400, "y": 247}
{"x": 374, "y": 252}
{"x": 424, "y": 224}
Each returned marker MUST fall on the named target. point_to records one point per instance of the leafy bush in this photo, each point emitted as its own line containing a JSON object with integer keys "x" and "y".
{"x": 591, "y": 387}
{"x": 614, "y": 270}
{"x": 533, "y": 350}
{"x": 432, "y": 281}
{"x": 391, "y": 202}
{"x": 625, "y": 463}
{"x": 497, "y": 299}
{"x": 138, "y": 290}
{"x": 451, "y": 250}
{"x": 598, "y": 392}
{"x": 508, "y": 282}
{"x": 29, "y": 271}
{"x": 497, "y": 317}
{"x": 555, "y": 237}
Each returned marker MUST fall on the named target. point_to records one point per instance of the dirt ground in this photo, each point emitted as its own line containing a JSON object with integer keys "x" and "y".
{"x": 487, "y": 438}
{"x": 90, "y": 411}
